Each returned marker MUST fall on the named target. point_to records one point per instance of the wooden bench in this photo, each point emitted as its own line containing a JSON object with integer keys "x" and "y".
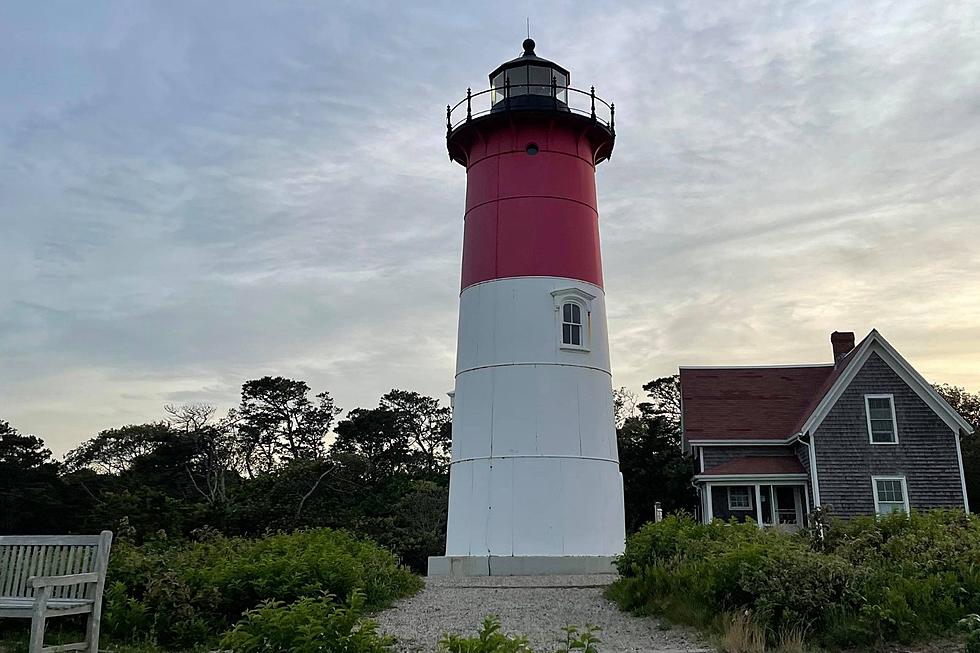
{"x": 45, "y": 576}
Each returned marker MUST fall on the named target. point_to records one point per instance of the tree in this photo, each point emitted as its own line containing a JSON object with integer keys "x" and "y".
{"x": 408, "y": 434}
{"x": 376, "y": 436}
{"x": 664, "y": 398}
{"x": 654, "y": 468}
{"x": 278, "y": 422}
{"x": 214, "y": 453}
{"x": 113, "y": 451}
{"x": 426, "y": 425}
{"x": 967, "y": 404}
{"x": 625, "y": 405}
{"x": 149, "y": 474}
{"x": 30, "y": 490}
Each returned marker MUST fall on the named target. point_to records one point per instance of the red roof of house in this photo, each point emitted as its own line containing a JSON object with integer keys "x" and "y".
{"x": 756, "y": 403}
{"x": 757, "y": 465}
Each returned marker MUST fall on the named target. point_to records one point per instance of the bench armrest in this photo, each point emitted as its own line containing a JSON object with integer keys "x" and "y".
{"x": 63, "y": 581}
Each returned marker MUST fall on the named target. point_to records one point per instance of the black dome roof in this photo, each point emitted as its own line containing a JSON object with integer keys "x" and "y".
{"x": 528, "y": 58}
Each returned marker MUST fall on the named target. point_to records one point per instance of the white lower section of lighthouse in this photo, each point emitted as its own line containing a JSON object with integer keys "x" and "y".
{"x": 535, "y": 485}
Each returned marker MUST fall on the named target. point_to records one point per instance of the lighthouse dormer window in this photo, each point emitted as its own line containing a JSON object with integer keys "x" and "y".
{"x": 573, "y": 312}
{"x": 571, "y": 324}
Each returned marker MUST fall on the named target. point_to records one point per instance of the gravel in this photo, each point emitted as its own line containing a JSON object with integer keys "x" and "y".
{"x": 535, "y": 606}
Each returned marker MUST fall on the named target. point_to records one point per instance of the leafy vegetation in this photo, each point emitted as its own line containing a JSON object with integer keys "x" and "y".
{"x": 900, "y": 578}
{"x": 310, "y": 625}
{"x": 971, "y": 624}
{"x": 490, "y": 639}
{"x": 182, "y": 594}
{"x": 654, "y": 466}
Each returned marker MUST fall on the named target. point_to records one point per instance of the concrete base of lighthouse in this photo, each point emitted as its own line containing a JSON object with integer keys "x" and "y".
{"x": 468, "y": 566}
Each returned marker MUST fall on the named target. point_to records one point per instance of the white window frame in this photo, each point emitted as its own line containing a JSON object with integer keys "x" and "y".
{"x": 581, "y": 324}
{"x": 748, "y": 493}
{"x": 905, "y": 492}
{"x": 867, "y": 415}
{"x": 584, "y": 301}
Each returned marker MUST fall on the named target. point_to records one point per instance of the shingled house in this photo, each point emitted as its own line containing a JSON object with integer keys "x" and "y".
{"x": 865, "y": 434}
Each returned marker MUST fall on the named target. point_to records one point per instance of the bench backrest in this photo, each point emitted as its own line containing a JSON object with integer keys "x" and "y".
{"x": 24, "y": 556}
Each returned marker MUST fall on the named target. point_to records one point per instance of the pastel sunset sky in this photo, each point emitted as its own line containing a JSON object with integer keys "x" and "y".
{"x": 193, "y": 194}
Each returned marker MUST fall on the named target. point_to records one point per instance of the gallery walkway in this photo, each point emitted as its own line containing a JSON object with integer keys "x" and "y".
{"x": 535, "y": 606}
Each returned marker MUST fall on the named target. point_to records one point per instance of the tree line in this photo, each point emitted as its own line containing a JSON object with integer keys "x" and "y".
{"x": 286, "y": 458}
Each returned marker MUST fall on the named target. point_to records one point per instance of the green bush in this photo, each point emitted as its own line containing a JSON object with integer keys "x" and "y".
{"x": 183, "y": 594}
{"x": 310, "y": 625}
{"x": 489, "y": 639}
{"x": 868, "y": 580}
{"x": 971, "y": 624}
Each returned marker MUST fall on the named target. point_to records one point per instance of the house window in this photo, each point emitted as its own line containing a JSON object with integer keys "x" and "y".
{"x": 740, "y": 498}
{"x": 571, "y": 324}
{"x": 880, "y": 410}
{"x": 891, "y": 494}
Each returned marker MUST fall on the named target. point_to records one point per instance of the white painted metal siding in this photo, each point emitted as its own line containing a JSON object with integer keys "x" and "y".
{"x": 535, "y": 506}
{"x": 535, "y": 469}
{"x": 516, "y": 320}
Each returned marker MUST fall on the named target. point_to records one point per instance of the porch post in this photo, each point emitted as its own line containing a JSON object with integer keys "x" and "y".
{"x": 709, "y": 507}
{"x": 798, "y": 504}
{"x": 758, "y": 505}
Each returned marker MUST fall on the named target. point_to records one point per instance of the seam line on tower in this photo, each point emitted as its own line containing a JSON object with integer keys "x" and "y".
{"x": 487, "y": 367}
{"x": 533, "y": 276}
{"x": 540, "y": 197}
{"x": 562, "y": 456}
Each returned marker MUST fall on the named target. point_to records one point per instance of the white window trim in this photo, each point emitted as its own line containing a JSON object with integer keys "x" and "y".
{"x": 582, "y": 325}
{"x": 867, "y": 415}
{"x": 748, "y": 493}
{"x": 905, "y": 491}
{"x": 584, "y": 301}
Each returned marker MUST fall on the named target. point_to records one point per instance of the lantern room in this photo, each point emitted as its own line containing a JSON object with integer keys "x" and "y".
{"x": 529, "y": 82}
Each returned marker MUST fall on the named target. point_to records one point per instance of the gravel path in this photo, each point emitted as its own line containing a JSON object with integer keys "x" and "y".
{"x": 535, "y": 606}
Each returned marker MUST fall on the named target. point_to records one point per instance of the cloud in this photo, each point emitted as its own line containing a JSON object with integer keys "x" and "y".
{"x": 194, "y": 195}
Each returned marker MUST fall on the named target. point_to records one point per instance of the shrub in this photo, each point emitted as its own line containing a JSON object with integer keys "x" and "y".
{"x": 489, "y": 639}
{"x": 183, "y": 594}
{"x": 310, "y": 625}
{"x": 897, "y": 578}
{"x": 971, "y": 624}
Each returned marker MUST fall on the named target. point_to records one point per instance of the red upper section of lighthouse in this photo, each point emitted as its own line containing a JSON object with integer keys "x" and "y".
{"x": 530, "y": 191}
{"x": 531, "y": 215}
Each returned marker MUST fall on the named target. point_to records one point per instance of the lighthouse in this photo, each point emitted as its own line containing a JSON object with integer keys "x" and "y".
{"x": 535, "y": 486}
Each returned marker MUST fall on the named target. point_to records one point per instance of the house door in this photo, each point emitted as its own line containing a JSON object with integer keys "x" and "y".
{"x": 781, "y": 505}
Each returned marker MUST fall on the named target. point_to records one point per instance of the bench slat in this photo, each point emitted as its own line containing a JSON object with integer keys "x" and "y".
{"x": 49, "y": 540}
{"x": 23, "y": 553}
{"x": 60, "y": 648}
{"x": 57, "y": 604}
{"x": 70, "y": 569}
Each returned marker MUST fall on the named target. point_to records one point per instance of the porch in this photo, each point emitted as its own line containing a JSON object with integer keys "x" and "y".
{"x": 771, "y": 490}
{"x": 773, "y": 503}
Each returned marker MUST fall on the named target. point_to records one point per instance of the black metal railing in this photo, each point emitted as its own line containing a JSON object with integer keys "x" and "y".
{"x": 562, "y": 98}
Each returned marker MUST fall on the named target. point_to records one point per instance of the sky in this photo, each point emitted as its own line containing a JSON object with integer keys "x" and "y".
{"x": 194, "y": 194}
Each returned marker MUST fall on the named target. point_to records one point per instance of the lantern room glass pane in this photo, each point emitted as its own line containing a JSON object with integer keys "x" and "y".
{"x": 518, "y": 80}
{"x": 539, "y": 77}
{"x": 561, "y": 82}
{"x": 498, "y": 89}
